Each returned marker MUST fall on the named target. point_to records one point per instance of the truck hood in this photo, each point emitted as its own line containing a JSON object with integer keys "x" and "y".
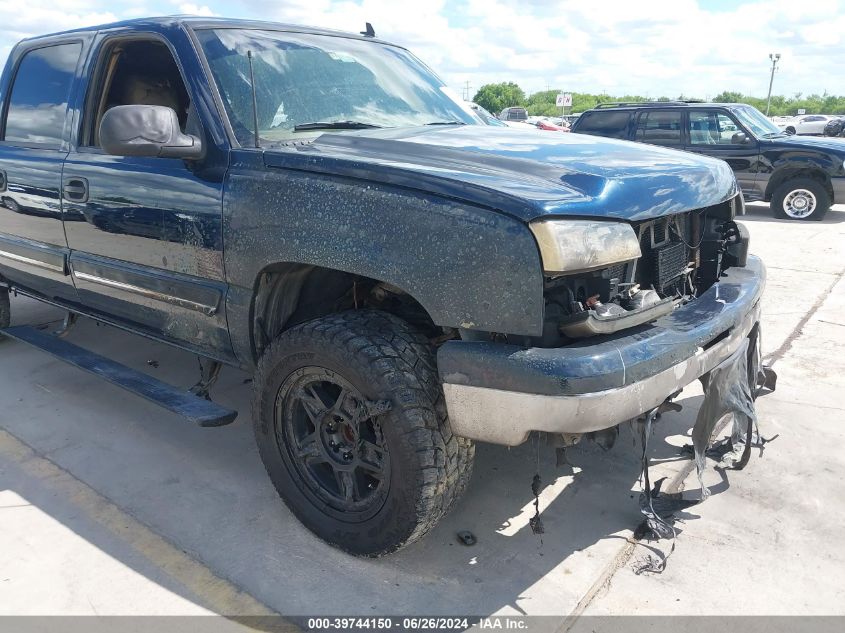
{"x": 525, "y": 173}
{"x": 823, "y": 143}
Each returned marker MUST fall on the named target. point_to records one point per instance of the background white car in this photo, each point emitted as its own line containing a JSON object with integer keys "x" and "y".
{"x": 807, "y": 124}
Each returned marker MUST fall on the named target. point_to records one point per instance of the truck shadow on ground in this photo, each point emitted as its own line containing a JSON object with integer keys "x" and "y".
{"x": 205, "y": 491}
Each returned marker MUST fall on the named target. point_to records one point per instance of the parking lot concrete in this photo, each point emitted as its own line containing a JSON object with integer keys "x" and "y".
{"x": 111, "y": 506}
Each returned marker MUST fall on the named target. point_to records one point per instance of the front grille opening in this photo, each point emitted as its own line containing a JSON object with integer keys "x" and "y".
{"x": 670, "y": 262}
{"x": 663, "y": 274}
{"x": 660, "y": 232}
{"x": 665, "y": 255}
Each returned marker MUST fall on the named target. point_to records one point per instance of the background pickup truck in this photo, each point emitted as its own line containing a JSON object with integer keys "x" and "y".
{"x": 402, "y": 279}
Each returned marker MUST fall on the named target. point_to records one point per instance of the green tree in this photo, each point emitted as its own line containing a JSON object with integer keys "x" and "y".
{"x": 683, "y": 97}
{"x": 543, "y": 103}
{"x": 497, "y": 97}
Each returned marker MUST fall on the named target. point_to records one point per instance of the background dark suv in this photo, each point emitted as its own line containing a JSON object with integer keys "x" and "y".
{"x": 800, "y": 176}
{"x": 514, "y": 114}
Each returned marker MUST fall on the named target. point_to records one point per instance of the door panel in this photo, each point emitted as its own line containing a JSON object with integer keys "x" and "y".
{"x": 147, "y": 245}
{"x": 154, "y": 212}
{"x": 711, "y": 132}
{"x": 33, "y": 249}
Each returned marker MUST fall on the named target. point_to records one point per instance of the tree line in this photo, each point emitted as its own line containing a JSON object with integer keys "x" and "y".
{"x": 496, "y": 97}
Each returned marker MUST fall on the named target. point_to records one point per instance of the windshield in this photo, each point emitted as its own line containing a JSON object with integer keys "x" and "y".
{"x": 303, "y": 79}
{"x": 757, "y": 122}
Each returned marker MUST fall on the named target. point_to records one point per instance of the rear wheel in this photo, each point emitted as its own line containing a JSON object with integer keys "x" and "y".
{"x": 800, "y": 199}
{"x": 352, "y": 427}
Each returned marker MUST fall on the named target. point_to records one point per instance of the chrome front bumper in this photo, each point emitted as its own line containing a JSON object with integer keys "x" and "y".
{"x": 499, "y": 394}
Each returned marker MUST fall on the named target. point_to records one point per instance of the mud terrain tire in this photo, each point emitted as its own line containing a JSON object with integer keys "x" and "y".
{"x": 354, "y": 392}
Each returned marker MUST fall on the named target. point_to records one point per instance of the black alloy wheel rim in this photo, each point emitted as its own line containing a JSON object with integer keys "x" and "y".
{"x": 333, "y": 441}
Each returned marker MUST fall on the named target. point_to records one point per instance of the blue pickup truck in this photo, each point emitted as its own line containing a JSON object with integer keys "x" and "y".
{"x": 402, "y": 280}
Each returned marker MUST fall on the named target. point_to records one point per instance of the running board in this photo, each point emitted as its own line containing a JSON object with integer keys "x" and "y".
{"x": 184, "y": 403}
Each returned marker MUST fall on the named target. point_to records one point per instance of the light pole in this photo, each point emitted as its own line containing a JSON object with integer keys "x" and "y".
{"x": 774, "y": 57}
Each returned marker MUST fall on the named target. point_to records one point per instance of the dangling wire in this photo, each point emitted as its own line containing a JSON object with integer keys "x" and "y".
{"x": 536, "y": 522}
{"x": 657, "y": 524}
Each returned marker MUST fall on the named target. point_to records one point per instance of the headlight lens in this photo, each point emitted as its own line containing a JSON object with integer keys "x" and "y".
{"x": 570, "y": 246}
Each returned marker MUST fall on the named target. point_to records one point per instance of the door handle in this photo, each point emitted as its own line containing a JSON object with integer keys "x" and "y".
{"x": 75, "y": 189}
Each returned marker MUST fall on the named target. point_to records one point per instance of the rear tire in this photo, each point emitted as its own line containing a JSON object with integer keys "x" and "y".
{"x": 800, "y": 199}
{"x": 5, "y": 309}
{"x": 358, "y": 392}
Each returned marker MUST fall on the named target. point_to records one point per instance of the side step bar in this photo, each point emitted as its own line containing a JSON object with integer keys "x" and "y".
{"x": 184, "y": 403}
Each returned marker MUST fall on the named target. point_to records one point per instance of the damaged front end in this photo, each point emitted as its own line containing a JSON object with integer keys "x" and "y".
{"x": 655, "y": 266}
{"x": 634, "y": 312}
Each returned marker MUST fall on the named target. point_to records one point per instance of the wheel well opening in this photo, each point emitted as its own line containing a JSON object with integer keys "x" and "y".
{"x": 287, "y": 294}
{"x": 786, "y": 175}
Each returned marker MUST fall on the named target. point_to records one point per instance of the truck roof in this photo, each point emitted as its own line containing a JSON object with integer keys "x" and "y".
{"x": 197, "y": 22}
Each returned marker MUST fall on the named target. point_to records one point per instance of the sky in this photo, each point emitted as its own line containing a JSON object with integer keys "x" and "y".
{"x": 697, "y": 48}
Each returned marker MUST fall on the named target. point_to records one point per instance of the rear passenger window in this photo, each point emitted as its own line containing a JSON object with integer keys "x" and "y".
{"x": 609, "y": 124}
{"x": 39, "y": 97}
{"x": 660, "y": 127}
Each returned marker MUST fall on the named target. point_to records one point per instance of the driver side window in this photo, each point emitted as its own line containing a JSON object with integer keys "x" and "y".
{"x": 138, "y": 72}
{"x": 711, "y": 128}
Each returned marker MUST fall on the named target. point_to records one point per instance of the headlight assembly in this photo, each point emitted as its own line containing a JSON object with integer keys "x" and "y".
{"x": 571, "y": 246}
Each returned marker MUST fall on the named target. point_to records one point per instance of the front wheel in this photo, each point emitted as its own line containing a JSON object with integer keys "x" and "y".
{"x": 800, "y": 199}
{"x": 351, "y": 425}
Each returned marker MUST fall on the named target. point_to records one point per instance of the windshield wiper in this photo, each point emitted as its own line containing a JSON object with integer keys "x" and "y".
{"x": 334, "y": 125}
{"x": 446, "y": 123}
{"x": 774, "y": 134}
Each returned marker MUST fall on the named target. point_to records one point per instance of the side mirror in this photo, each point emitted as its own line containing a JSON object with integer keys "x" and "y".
{"x": 146, "y": 130}
{"x": 739, "y": 138}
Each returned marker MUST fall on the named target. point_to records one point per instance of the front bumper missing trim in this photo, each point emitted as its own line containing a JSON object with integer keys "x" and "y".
{"x": 680, "y": 348}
